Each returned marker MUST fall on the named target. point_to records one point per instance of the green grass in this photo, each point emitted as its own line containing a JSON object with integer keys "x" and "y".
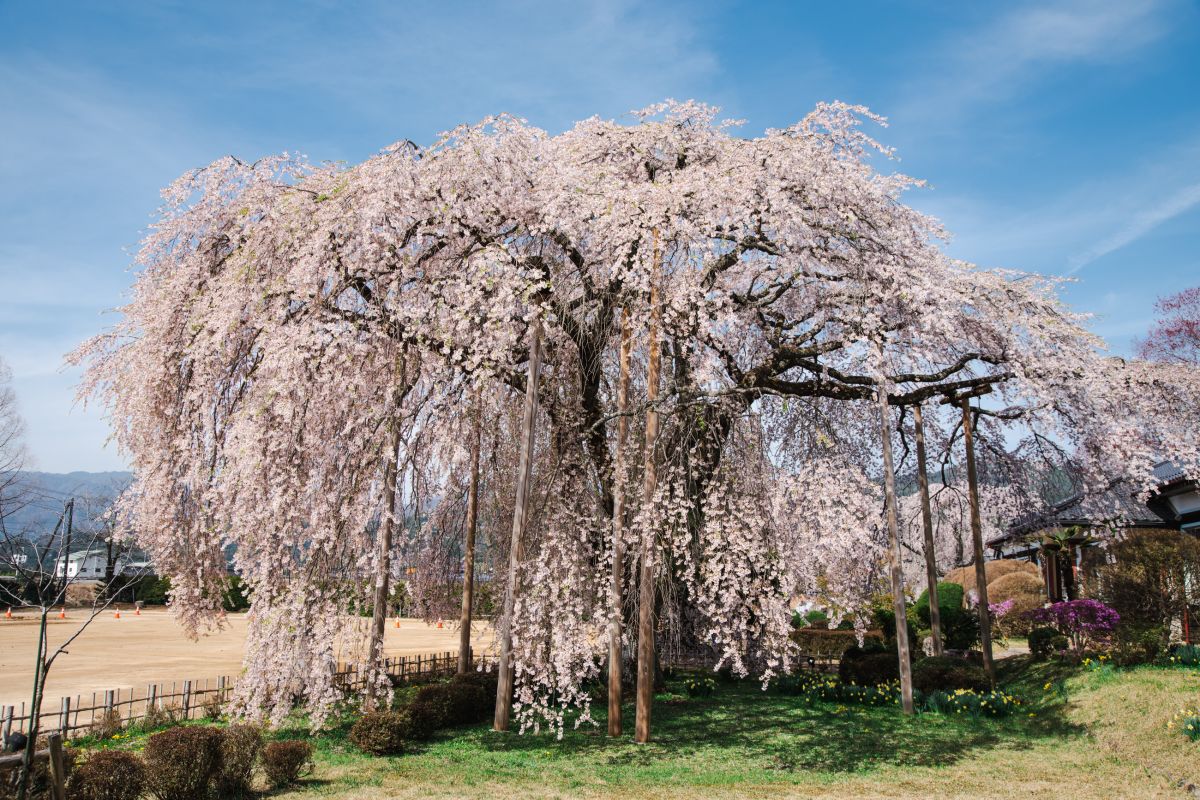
{"x": 1091, "y": 734}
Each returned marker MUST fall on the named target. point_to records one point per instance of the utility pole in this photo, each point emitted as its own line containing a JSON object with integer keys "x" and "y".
{"x": 504, "y": 689}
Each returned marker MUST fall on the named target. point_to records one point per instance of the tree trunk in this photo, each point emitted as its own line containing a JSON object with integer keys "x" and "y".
{"x": 383, "y": 567}
{"x": 889, "y": 489}
{"x": 645, "y": 660}
{"x": 618, "y": 535}
{"x": 931, "y": 571}
{"x": 504, "y": 688}
{"x": 464, "y": 640}
{"x": 985, "y": 619}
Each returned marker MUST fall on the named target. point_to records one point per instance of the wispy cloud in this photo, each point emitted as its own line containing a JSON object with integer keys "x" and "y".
{"x": 1139, "y": 225}
{"x": 1005, "y": 54}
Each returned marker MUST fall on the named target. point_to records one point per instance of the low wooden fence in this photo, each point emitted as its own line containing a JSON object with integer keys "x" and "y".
{"x": 185, "y": 700}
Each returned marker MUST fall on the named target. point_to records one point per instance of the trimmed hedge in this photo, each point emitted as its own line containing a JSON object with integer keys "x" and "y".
{"x": 108, "y": 775}
{"x": 944, "y": 673}
{"x": 240, "y": 745}
{"x": 282, "y": 762}
{"x": 864, "y": 667}
{"x": 182, "y": 762}
{"x": 386, "y": 733}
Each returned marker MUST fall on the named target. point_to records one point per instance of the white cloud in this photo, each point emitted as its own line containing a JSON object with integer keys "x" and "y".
{"x": 1140, "y": 223}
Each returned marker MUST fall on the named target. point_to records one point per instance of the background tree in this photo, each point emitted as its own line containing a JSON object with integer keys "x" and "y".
{"x": 13, "y": 455}
{"x": 1175, "y": 336}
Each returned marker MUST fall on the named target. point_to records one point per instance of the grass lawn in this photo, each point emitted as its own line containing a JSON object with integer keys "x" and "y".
{"x": 1098, "y": 734}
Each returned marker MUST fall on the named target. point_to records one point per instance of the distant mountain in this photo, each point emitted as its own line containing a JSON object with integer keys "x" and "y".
{"x": 46, "y": 493}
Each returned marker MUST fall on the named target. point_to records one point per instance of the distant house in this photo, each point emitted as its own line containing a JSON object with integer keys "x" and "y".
{"x": 1177, "y": 500}
{"x": 92, "y": 565}
{"x": 1061, "y": 540}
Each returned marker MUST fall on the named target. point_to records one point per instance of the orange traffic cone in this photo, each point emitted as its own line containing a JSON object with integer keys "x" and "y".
{"x": 439, "y": 623}
{"x": 116, "y": 614}
{"x": 8, "y": 614}
{"x": 397, "y": 623}
{"x": 62, "y": 613}
{"x": 137, "y": 612}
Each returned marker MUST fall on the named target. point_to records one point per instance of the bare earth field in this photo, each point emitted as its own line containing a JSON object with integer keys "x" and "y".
{"x": 134, "y": 651}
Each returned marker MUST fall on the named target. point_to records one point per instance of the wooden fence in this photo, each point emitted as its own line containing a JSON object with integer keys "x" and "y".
{"x": 183, "y": 700}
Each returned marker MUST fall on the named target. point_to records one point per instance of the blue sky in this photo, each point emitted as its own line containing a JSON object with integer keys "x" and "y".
{"x": 1059, "y": 137}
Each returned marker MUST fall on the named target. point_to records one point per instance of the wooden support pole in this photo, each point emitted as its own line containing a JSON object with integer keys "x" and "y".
{"x": 464, "y": 623}
{"x": 187, "y": 700}
{"x": 383, "y": 559}
{"x": 58, "y": 775}
{"x": 504, "y": 687}
{"x": 931, "y": 571}
{"x": 616, "y": 588}
{"x": 889, "y": 488}
{"x": 985, "y": 618}
{"x": 645, "y": 661}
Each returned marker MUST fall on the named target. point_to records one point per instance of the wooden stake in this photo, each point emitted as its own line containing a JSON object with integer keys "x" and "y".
{"x": 985, "y": 619}
{"x": 58, "y": 775}
{"x": 645, "y": 662}
{"x": 618, "y": 535}
{"x": 889, "y": 488}
{"x": 464, "y": 624}
{"x": 504, "y": 687}
{"x": 383, "y": 556}
{"x": 931, "y": 571}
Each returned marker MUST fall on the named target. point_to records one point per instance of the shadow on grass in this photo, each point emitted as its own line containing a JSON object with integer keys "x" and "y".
{"x": 745, "y": 726}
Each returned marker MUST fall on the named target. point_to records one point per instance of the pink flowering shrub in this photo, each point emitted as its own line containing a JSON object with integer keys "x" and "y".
{"x": 1085, "y": 622}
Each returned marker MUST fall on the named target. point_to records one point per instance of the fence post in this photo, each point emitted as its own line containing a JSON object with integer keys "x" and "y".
{"x": 4, "y": 734}
{"x": 64, "y": 719}
{"x": 57, "y": 776}
{"x": 187, "y": 700}
{"x": 152, "y": 702}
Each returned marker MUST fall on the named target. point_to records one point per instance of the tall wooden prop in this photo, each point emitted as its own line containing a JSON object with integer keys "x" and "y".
{"x": 618, "y": 534}
{"x": 889, "y": 489}
{"x": 464, "y": 623}
{"x": 383, "y": 563}
{"x": 645, "y": 661}
{"x": 504, "y": 690}
{"x": 985, "y": 618}
{"x": 931, "y": 572}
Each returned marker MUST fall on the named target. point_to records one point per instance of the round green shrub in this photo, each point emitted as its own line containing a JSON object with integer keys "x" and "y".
{"x": 108, "y": 775}
{"x": 384, "y": 733}
{"x": 1041, "y": 642}
{"x": 945, "y": 673}
{"x": 870, "y": 669}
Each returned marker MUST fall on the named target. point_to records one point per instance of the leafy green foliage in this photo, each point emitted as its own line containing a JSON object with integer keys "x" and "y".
{"x": 960, "y": 625}
{"x": 947, "y": 673}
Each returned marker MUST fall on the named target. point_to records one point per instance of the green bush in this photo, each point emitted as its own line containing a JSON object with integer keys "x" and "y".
{"x": 883, "y": 617}
{"x": 152, "y": 591}
{"x": 1044, "y": 641}
{"x": 384, "y": 733}
{"x": 283, "y": 762}
{"x": 1184, "y": 655}
{"x": 469, "y": 703}
{"x": 960, "y": 625}
{"x": 182, "y": 762}
{"x": 1150, "y": 582}
{"x": 108, "y": 775}
{"x": 870, "y": 669}
{"x": 235, "y": 596}
{"x": 946, "y": 673}
{"x": 487, "y": 681}
{"x": 240, "y": 745}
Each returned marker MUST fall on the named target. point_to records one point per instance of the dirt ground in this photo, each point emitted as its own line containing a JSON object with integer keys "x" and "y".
{"x": 134, "y": 651}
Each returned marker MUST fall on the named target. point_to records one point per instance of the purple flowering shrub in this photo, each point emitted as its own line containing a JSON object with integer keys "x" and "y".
{"x": 1084, "y": 622}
